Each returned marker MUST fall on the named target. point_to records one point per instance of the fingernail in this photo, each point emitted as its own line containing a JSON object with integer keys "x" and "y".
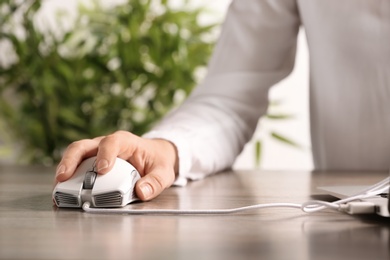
{"x": 146, "y": 190}
{"x": 102, "y": 164}
{"x": 60, "y": 170}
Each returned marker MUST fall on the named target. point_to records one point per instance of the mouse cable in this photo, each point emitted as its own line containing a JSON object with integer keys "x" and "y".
{"x": 355, "y": 207}
{"x": 350, "y": 205}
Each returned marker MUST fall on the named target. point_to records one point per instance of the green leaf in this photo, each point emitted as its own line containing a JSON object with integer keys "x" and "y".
{"x": 284, "y": 139}
{"x": 279, "y": 116}
{"x": 258, "y": 153}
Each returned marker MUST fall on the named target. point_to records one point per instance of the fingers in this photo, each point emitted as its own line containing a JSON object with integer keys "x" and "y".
{"x": 106, "y": 148}
{"x": 119, "y": 144}
{"x": 74, "y": 154}
{"x": 152, "y": 184}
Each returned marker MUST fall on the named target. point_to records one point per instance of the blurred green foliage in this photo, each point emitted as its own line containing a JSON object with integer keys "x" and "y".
{"x": 120, "y": 67}
{"x": 274, "y": 114}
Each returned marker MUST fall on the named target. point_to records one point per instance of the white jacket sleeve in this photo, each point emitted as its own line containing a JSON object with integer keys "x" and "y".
{"x": 256, "y": 49}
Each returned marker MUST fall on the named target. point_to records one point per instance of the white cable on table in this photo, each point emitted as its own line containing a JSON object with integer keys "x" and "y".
{"x": 87, "y": 208}
{"x": 350, "y": 205}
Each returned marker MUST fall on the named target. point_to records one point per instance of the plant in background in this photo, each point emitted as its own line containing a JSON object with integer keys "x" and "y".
{"x": 119, "y": 67}
{"x": 273, "y": 115}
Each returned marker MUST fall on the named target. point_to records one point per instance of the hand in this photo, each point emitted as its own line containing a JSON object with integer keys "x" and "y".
{"x": 155, "y": 159}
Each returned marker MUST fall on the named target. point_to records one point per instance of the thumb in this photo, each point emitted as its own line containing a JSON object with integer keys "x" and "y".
{"x": 152, "y": 184}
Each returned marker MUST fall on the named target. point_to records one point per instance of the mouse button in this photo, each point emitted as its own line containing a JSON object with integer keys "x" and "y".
{"x": 112, "y": 181}
{"x": 73, "y": 185}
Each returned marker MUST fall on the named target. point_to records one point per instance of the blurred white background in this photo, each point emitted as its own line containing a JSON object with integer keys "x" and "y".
{"x": 292, "y": 92}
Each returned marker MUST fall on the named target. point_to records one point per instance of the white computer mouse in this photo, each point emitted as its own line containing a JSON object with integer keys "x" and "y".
{"x": 113, "y": 189}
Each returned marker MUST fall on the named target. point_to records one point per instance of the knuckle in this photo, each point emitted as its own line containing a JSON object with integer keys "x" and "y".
{"x": 77, "y": 144}
{"x": 120, "y": 133}
{"x": 159, "y": 181}
{"x": 116, "y": 136}
{"x": 111, "y": 139}
{"x": 79, "y": 148}
{"x": 124, "y": 138}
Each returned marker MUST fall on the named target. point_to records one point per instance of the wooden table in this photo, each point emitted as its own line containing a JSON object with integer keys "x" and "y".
{"x": 31, "y": 228}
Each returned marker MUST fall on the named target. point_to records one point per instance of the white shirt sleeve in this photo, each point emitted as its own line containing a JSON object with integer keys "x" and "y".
{"x": 256, "y": 49}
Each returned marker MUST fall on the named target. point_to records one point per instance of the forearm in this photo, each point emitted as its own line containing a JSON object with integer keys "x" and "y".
{"x": 256, "y": 49}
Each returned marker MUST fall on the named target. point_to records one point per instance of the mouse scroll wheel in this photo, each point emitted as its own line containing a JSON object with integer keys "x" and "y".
{"x": 89, "y": 180}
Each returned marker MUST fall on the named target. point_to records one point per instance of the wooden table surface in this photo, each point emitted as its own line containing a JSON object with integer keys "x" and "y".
{"x": 32, "y": 228}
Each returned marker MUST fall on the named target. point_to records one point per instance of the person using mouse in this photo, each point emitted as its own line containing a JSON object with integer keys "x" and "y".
{"x": 349, "y": 47}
